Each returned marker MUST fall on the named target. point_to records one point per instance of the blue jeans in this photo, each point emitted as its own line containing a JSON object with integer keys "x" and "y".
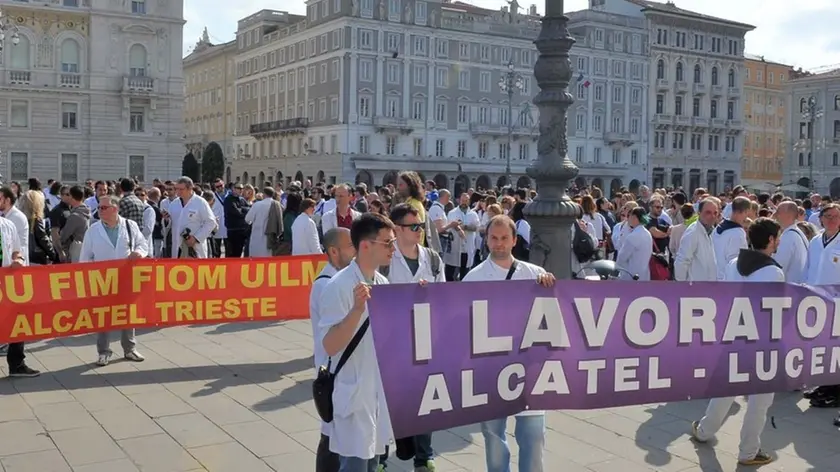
{"x": 423, "y": 449}
{"x": 354, "y": 464}
{"x": 530, "y": 437}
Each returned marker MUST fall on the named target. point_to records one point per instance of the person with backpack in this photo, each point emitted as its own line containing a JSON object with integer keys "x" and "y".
{"x": 413, "y": 263}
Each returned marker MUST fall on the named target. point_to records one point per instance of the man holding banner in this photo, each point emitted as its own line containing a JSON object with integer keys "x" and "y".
{"x": 530, "y": 425}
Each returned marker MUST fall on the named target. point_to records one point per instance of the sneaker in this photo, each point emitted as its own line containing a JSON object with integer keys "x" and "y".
{"x": 134, "y": 356}
{"x": 814, "y": 393}
{"x": 24, "y": 371}
{"x": 761, "y": 458}
{"x": 4, "y": 350}
{"x": 695, "y": 432}
{"x": 831, "y": 401}
{"x": 380, "y": 468}
{"x": 429, "y": 466}
{"x": 104, "y": 359}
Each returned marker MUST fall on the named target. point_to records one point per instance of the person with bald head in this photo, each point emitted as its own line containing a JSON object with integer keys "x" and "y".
{"x": 792, "y": 253}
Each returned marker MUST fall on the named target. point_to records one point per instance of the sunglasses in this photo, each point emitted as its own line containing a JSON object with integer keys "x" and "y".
{"x": 414, "y": 227}
{"x": 390, "y": 244}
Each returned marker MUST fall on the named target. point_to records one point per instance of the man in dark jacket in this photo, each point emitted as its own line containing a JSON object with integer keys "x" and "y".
{"x": 236, "y": 207}
{"x": 73, "y": 232}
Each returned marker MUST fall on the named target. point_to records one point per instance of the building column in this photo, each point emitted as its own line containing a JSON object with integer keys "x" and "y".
{"x": 380, "y": 86}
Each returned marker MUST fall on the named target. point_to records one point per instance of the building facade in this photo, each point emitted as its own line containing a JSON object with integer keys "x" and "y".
{"x": 363, "y": 89}
{"x": 608, "y": 125}
{"x": 814, "y": 144}
{"x": 765, "y": 119}
{"x": 695, "y": 105}
{"x": 209, "y": 105}
{"x": 93, "y": 89}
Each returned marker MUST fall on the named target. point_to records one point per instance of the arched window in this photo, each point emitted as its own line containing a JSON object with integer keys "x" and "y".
{"x": 715, "y": 76}
{"x": 660, "y": 69}
{"x": 835, "y": 159}
{"x": 801, "y": 159}
{"x": 70, "y": 56}
{"x": 803, "y": 105}
{"x": 680, "y": 75}
{"x": 20, "y": 54}
{"x": 697, "y": 74}
{"x": 137, "y": 61}
{"x": 837, "y": 102}
{"x": 731, "y": 77}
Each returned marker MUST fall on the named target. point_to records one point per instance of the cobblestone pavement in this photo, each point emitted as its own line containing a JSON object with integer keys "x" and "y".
{"x": 236, "y": 398}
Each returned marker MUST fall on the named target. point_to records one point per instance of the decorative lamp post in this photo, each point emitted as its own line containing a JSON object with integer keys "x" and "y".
{"x": 7, "y": 27}
{"x": 509, "y": 83}
{"x": 553, "y": 213}
{"x": 812, "y": 114}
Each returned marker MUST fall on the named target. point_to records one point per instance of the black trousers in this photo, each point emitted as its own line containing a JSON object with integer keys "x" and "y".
{"x": 453, "y": 273}
{"x": 15, "y": 355}
{"x": 235, "y": 243}
{"x": 326, "y": 460}
{"x": 216, "y": 247}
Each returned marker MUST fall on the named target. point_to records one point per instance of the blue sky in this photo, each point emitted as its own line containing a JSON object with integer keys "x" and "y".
{"x": 807, "y": 37}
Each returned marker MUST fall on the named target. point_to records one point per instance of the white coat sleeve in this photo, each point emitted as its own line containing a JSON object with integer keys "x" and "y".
{"x": 327, "y": 221}
{"x": 313, "y": 243}
{"x": 441, "y": 276}
{"x": 208, "y": 222}
{"x": 140, "y": 243}
{"x": 86, "y": 253}
{"x": 250, "y": 216}
{"x": 784, "y": 252}
{"x": 685, "y": 256}
{"x": 148, "y": 222}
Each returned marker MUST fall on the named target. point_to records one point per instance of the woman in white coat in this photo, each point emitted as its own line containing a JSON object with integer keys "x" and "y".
{"x": 636, "y": 247}
{"x": 190, "y": 212}
{"x": 114, "y": 238}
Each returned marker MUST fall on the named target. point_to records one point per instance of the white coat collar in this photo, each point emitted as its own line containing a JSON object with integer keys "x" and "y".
{"x": 400, "y": 258}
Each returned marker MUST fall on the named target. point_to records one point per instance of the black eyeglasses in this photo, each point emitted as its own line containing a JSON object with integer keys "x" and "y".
{"x": 415, "y": 227}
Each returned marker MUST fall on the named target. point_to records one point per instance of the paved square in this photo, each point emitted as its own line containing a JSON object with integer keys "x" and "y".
{"x": 236, "y": 398}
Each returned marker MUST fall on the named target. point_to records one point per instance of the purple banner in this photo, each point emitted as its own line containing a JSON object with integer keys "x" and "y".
{"x": 456, "y": 354}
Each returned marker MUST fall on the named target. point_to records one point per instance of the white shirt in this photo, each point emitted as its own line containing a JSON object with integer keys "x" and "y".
{"x": 305, "y": 236}
{"x": 696, "y": 261}
{"x": 10, "y": 240}
{"x": 361, "y": 426}
{"x": 22, "y": 225}
{"x": 523, "y": 230}
{"x": 792, "y": 254}
{"x": 635, "y": 254}
{"x": 400, "y": 273}
{"x": 148, "y": 223}
{"x": 318, "y": 353}
{"x": 824, "y": 261}
{"x": 218, "y": 208}
{"x": 466, "y": 245}
{"x": 198, "y": 217}
{"x": 489, "y": 271}
{"x": 437, "y": 213}
{"x": 599, "y": 222}
{"x": 97, "y": 245}
{"x": 92, "y": 203}
{"x": 814, "y": 219}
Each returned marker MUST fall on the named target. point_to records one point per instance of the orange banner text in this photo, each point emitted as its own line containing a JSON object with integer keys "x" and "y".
{"x": 66, "y": 300}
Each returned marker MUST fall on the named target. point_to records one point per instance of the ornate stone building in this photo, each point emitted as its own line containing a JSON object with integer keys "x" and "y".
{"x": 94, "y": 89}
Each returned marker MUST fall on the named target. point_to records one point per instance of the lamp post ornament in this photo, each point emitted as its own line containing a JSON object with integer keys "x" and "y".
{"x": 553, "y": 213}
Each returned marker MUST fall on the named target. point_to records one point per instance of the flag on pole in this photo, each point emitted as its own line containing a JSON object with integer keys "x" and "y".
{"x": 580, "y": 79}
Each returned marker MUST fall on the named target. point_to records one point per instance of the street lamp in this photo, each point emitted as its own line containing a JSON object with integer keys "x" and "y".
{"x": 552, "y": 214}
{"x": 509, "y": 83}
{"x": 812, "y": 114}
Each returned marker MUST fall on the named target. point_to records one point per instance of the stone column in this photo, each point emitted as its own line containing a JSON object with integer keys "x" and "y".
{"x": 552, "y": 213}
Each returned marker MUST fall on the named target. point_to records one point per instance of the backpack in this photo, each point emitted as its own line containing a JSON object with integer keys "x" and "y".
{"x": 582, "y": 245}
{"x": 385, "y": 270}
{"x": 658, "y": 265}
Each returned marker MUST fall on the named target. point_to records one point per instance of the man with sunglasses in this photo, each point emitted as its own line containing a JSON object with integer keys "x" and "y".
{"x": 413, "y": 263}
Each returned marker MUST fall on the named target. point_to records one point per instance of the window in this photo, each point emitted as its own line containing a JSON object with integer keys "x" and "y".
{"x": 596, "y": 158}
{"x": 334, "y": 69}
{"x": 660, "y": 104}
{"x": 462, "y": 149}
{"x": 463, "y": 114}
{"x": 137, "y": 61}
{"x": 417, "y": 109}
{"x": 440, "y": 111}
{"x": 579, "y": 154}
{"x": 715, "y": 76}
{"x": 391, "y": 145}
{"x": 69, "y": 114}
{"x": 69, "y": 56}
{"x": 334, "y": 107}
{"x": 311, "y": 74}
{"x": 420, "y": 45}
{"x": 138, "y": 7}
{"x": 730, "y": 110}
{"x": 464, "y": 50}
{"x": 440, "y": 148}
{"x": 366, "y": 71}
{"x": 597, "y": 123}
{"x": 580, "y": 122}
{"x": 364, "y": 107}
{"x": 680, "y": 72}
{"x": 365, "y": 39}
{"x": 137, "y": 167}
{"x": 616, "y": 156}
{"x": 504, "y": 151}
{"x": 484, "y": 82}
{"x": 485, "y": 52}
{"x": 391, "y": 107}
{"x": 393, "y": 73}
{"x": 524, "y": 152}
{"x": 418, "y": 146}
{"x": 322, "y": 112}
{"x": 660, "y": 69}
{"x": 69, "y": 167}
{"x": 616, "y": 125}
{"x": 19, "y": 166}
{"x": 678, "y": 105}
{"x": 19, "y": 113}
{"x": 732, "y": 77}
{"x": 636, "y": 96}
{"x": 442, "y": 48}
{"x": 419, "y": 75}
{"x": 364, "y": 147}
{"x": 442, "y": 77}
{"x": 695, "y": 107}
{"x": 634, "y": 125}
{"x": 482, "y": 149}
{"x": 599, "y": 92}
{"x": 618, "y": 94}
{"x": 713, "y": 109}
{"x": 464, "y": 80}
{"x": 483, "y": 115}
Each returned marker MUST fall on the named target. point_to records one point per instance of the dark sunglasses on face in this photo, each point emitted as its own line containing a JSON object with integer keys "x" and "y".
{"x": 415, "y": 227}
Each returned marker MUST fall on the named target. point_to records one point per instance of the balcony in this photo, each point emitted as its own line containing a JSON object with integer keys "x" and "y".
{"x": 700, "y": 89}
{"x": 618, "y": 138}
{"x": 279, "y": 128}
{"x": 386, "y": 123}
{"x": 19, "y": 77}
{"x": 661, "y": 121}
{"x": 138, "y": 84}
{"x": 682, "y": 121}
{"x": 718, "y": 123}
{"x": 68, "y": 80}
{"x": 717, "y": 91}
{"x": 663, "y": 84}
{"x": 734, "y": 92}
{"x": 699, "y": 122}
{"x": 734, "y": 124}
{"x": 682, "y": 87}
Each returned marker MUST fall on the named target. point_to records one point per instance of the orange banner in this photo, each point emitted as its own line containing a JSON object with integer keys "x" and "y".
{"x": 65, "y": 300}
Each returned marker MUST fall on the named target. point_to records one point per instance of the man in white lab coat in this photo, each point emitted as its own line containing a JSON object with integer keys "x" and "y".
{"x": 695, "y": 260}
{"x": 530, "y": 425}
{"x": 257, "y": 217}
{"x": 729, "y": 237}
{"x": 413, "y": 263}
{"x": 361, "y": 427}
{"x": 343, "y": 214}
{"x": 114, "y": 238}
{"x": 340, "y": 253}
{"x": 192, "y": 220}
{"x": 305, "y": 231}
{"x": 460, "y": 257}
{"x": 792, "y": 253}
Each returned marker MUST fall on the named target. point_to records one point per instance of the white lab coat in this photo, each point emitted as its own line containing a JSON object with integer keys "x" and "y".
{"x": 218, "y": 208}
{"x": 319, "y": 354}
{"x": 257, "y": 217}
{"x": 466, "y": 245}
{"x": 22, "y": 226}
{"x": 824, "y": 261}
{"x": 489, "y": 271}
{"x": 195, "y": 215}
{"x": 10, "y": 241}
{"x": 792, "y": 254}
{"x": 305, "y": 236}
{"x": 620, "y": 230}
{"x": 769, "y": 273}
{"x": 399, "y": 273}
{"x": 97, "y": 246}
{"x": 148, "y": 224}
{"x": 330, "y": 221}
{"x": 814, "y": 219}
{"x": 361, "y": 426}
{"x": 635, "y": 254}
{"x": 599, "y": 222}
{"x": 695, "y": 261}
{"x": 728, "y": 239}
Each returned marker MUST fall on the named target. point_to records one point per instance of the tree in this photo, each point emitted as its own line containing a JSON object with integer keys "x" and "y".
{"x": 212, "y": 163}
{"x": 189, "y": 167}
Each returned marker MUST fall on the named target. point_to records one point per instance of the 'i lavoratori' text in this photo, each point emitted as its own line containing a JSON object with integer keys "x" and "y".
{"x": 697, "y": 319}
{"x": 169, "y": 294}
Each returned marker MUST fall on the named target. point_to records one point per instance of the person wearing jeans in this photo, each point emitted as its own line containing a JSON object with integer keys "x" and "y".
{"x": 423, "y": 453}
{"x": 530, "y": 437}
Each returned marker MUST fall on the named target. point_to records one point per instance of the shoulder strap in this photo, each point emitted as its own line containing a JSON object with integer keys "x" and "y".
{"x": 801, "y": 236}
{"x": 435, "y": 260}
{"x": 385, "y": 270}
{"x": 130, "y": 235}
{"x": 348, "y": 351}
{"x": 512, "y": 270}
{"x": 322, "y": 277}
